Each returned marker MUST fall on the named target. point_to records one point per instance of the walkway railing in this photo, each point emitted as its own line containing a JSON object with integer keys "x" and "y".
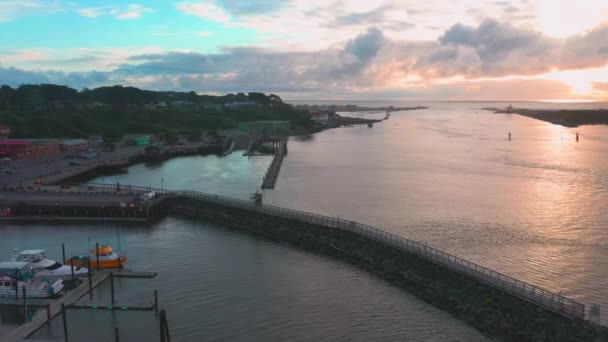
{"x": 531, "y": 293}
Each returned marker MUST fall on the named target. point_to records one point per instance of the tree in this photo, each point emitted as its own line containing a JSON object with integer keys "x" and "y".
{"x": 7, "y": 97}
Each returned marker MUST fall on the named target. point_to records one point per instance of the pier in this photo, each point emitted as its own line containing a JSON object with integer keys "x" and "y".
{"x": 101, "y": 202}
{"x": 272, "y": 173}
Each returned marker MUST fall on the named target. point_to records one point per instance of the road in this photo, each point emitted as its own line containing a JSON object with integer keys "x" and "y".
{"x": 28, "y": 171}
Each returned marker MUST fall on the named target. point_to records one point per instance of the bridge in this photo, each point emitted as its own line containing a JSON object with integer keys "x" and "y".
{"x": 530, "y": 293}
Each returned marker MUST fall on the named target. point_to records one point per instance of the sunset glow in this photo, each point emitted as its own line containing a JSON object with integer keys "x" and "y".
{"x": 438, "y": 50}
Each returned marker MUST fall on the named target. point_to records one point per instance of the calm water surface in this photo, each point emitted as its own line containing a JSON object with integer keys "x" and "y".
{"x": 535, "y": 208}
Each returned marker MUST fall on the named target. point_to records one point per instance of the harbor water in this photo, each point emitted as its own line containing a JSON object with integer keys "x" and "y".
{"x": 534, "y": 207}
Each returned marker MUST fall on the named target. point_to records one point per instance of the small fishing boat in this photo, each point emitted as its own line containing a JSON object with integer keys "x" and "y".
{"x": 15, "y": 275}
{"x": 106, "y": 256}
{"x": 45, "y": 267}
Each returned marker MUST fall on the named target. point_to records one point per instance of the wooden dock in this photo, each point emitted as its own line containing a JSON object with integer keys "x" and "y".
{"x": 270, "y": 179}
{"x": 69, "y": 300}
{"x": 40, "y": 318}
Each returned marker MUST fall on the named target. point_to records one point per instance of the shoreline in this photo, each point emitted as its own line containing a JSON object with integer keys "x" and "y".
{"x": 571, "y": 118}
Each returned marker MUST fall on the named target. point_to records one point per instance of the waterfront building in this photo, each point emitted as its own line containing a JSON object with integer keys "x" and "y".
{"x": 5, "y": 131}
{"x": 138, "y": 140}
{"x": 28, "y": 148}
{"x": 74, "y": 145}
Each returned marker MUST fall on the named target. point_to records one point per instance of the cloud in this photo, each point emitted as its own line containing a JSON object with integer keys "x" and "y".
{"x": 471, "y": 61}
{"x": 238, "y": 7}
{"x": 205, "y": 10}
{"x": 383, "y": 15}
{"x": 11, "y": 10}
{"x": 16, "y": 77}
{"x": 133, "y": 11}
{"x": 601, "y": 86}
{"x": 495, "y": 49}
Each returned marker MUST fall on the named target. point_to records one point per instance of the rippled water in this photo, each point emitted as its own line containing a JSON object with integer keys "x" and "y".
{"x": 223, "y": 285}
{"x": 535, "y": 208}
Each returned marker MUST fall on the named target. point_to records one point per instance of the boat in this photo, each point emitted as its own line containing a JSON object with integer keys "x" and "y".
{"x": 45, "y": 267}
{"x": 15, "y": 275}
{"x": 107, "y": 258}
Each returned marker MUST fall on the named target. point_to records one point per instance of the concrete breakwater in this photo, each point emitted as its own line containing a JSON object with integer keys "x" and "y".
{"x": 495, "y": 312}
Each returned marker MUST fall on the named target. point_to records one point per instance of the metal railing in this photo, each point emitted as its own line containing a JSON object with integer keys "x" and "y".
{"x": 531, "y": 293}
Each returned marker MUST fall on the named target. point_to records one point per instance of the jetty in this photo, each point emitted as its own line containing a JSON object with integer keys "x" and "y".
{"x": 493, "y": 302}
{"x": 272, "y": 173}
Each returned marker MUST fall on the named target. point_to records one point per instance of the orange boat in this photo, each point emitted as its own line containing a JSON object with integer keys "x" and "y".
{"x": 107, "y": 258}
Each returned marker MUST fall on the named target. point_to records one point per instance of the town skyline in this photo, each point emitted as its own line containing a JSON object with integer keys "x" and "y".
{"x": 440, "y": 50}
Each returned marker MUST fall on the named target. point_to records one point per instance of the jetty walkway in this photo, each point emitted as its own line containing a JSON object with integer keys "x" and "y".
{"x": 531, "y": 293}
{"x": 360, "y": 241}
{"x": 270, "y": 179}
{"x": 526, "y": 291}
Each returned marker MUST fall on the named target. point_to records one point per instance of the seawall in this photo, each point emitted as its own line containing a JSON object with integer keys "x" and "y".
{"x": 495, "y": 313}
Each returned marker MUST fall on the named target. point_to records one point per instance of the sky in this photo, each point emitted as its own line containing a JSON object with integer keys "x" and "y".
{"x": 542, "y": 50}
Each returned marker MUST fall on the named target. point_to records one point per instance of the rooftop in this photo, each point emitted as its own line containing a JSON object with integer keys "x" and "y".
{"x": 31, "y": 251}
{"x": 74, "y": 142}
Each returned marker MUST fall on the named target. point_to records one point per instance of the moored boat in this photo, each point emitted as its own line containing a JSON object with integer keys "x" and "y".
{"x": 15, "y": 275}
{"x": 45, "y": 267}
{"x": 106, "y": 256}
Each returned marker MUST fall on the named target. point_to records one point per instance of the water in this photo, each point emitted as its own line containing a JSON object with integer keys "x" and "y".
{"x": 534, "y": 208}
{"x": 218, "y": 284}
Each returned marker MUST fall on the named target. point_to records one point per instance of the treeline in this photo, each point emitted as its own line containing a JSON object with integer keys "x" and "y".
{"x": 48, "y": 110}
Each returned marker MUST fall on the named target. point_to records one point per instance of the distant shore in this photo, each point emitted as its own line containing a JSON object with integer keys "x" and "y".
{"x": 355, "y": 108}
{"x": 564, "y": 117}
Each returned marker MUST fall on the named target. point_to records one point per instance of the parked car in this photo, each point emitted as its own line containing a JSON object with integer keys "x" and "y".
{"x": 74, "y": 163}
{"x": 7, "y": 170}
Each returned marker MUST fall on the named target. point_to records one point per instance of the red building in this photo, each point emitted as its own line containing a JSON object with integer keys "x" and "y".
{"x": 5, "y": 131}
{"x": 28, "y": 149}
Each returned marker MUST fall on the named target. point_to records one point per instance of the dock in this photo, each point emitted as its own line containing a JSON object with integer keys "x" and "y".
{"x": 53, "y": 306}
{"x": 272, "y": 173}
{"x": 102, "y": 202}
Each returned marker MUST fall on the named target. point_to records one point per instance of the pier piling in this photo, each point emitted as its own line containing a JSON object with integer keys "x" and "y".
{"x": 65, "y": 323}
{"x": 97, "y": 254}
{"x": 90, "y": 281}
{"x": 112, "y": 286}
{"x": 156, "y": 302}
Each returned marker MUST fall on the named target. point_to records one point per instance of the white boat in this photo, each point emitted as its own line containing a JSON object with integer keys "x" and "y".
{"x": 48, "y": 268}
{"x": 14, "y": 275}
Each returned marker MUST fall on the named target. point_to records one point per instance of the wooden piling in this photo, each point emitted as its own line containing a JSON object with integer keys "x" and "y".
{"x": 65, "y": 323}
{"x": 48, "y": 313}
{"x": 112, "y": 286}
{"x": 25, "y": 303}
{"x": 63, "y": 255}
{"x": 97, "y": 254}
{"x": 156, "y": 302}
{"x": 116, "y": 335}
{"x": 90, "y": 281}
